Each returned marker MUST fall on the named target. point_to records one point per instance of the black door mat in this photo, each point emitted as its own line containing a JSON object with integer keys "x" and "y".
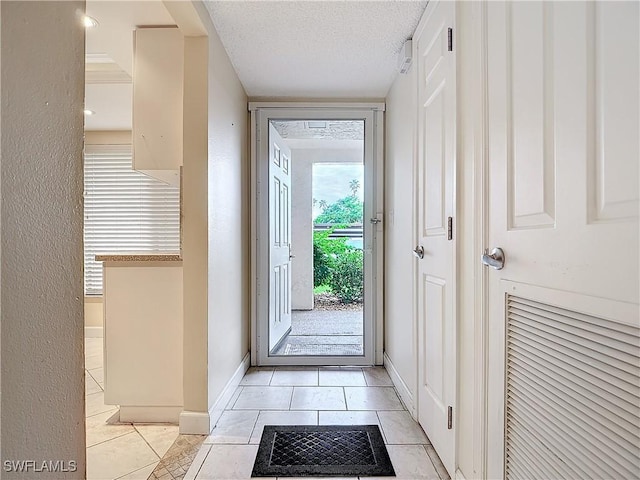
{"x": 322, "y": 451}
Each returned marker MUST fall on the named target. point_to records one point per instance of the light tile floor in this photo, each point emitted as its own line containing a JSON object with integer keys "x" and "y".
{"x": 313, "y": 396}
{"x": 123, "y": 451}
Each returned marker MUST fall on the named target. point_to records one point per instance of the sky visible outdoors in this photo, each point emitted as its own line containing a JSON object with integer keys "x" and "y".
{"x": 331, "y": 182}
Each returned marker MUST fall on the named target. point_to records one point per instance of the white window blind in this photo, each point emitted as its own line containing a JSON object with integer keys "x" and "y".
{"x": 124, "y": 211}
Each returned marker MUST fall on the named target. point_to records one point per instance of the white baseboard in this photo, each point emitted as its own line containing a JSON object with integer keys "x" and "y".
{"x": 201, "y": 423}
{"x": 223, "y": 399}
{"x": 194, "y": 423}
{"x": 401, "y": 386}
{"x": 93, "y": 332}
{"x": 153, "y": 414}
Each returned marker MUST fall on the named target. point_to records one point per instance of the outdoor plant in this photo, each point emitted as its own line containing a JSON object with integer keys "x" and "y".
{"x": 335, "y": 263}
{"x": 347, "y": 279}
{"x": 325, "y": 251}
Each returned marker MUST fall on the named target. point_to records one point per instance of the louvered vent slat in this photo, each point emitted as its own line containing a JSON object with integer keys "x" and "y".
{"x": 578, "y": 347}
{"x": 576, "y": 424}
{"x": 535, "y": 446}
{"x": 526, "y": 458}
{"x": 614, "y": 417}
{"x": 573, "y": 395}
{"x": 577, "y": 365}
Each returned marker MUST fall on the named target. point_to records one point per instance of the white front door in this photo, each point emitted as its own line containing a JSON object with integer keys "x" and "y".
{"x": 270, "y": 319}
{"x": 564, "y": 355}
{"x": 279, "y": 239}
{"x": 435, "y": 246}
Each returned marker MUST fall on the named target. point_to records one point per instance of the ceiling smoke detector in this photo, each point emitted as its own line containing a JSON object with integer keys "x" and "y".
{"x": 405, "y": 57}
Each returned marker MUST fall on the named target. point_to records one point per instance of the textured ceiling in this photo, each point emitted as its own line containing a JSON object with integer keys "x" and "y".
{"x": 315, "y": 48}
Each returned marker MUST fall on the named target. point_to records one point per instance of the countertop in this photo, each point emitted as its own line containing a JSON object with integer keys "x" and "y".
{"x": 139, "y": 257}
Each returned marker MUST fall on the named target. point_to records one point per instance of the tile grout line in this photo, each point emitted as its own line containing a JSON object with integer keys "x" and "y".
{"x": 291, "y": 398}
{"x": 204, "y": 460}
{"x": 145, "y": 441}
{"x": 384, "y": 435}
{"x": 122, "y": 476}
{"x": 253, "y": 429}
{"x": 101, "y": 413}
{"x": 108, "y": 440}
{"x": 94, "y": 378}
{"x": 344, "y": 395}
{"x": 424, "y": 447}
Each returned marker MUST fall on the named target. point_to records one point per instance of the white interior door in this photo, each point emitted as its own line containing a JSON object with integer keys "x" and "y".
{"x": 279, "y": 238}
{"x": 563, "y": 371}
{"x": 436, "y": 247}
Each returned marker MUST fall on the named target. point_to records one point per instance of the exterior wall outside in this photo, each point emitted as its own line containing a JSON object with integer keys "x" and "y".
{"x": 302, "y": 161}
{"x": 301, "y": 231}
{"x": 42, "y": 216}
{"x": 400, "y": 330}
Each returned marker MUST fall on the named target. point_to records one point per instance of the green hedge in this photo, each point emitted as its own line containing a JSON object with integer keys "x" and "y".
{"x": 339, "y": 265}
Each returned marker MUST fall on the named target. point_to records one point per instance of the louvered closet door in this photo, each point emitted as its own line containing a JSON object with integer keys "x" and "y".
{"x": 564, "y": 355}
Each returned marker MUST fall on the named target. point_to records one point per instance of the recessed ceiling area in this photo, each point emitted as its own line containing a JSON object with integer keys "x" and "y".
{"x": 109, "y": 59}
{"x": 315, "y": 49}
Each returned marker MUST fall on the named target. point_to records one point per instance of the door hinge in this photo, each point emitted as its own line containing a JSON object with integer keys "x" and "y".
{"x": 450, "y": 228}
{"x": 449, "y": 418}
{"x": 450, "y": 39}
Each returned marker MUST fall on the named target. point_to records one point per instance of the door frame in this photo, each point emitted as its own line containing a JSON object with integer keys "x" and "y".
{"x": 373, "y": 115}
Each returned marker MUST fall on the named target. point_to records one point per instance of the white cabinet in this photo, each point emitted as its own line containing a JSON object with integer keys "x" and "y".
{"x": 158, "y": 85}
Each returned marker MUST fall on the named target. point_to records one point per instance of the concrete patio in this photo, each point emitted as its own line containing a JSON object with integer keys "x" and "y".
{"x": 324, "y": 332}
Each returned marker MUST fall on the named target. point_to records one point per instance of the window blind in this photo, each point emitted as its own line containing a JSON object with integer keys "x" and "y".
{"x": 124, "y": 210}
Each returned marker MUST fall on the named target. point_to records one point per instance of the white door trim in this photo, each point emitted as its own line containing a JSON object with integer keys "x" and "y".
{"x": 372, "y": 113}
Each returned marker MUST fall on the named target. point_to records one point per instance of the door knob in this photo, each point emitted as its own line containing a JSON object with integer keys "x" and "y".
{"x": 419, "y": 251}
{"x": 494, "y": 259}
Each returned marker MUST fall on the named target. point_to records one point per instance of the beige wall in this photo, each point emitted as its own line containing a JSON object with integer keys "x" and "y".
{"x": 400, "y": 335}
{"x": 93, "y": 312}
{"x": 42, "y": 414}
{"x": 195, "y": 231}
{"x": 229, "y": 184}
{"x": 219, "y": 344}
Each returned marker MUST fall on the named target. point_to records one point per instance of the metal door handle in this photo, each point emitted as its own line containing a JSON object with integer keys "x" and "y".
{"x": 494, "y": 259}
{"x": 419, "y": 251}
{"x": 375, "y": 220}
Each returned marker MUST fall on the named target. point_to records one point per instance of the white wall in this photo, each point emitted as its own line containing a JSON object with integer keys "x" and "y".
{"x": 400, "y": 336}
{"x": 41, "y": 286}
